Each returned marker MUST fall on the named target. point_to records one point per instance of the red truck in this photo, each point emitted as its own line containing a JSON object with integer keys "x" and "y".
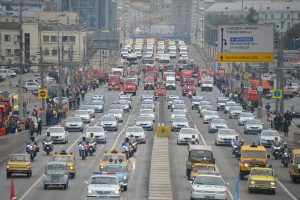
{"x": 160, "y": 91}
{"x": 128, "y": 87}
{"x": 200, "y": 76}
{"x": 189, "y": 87}
{"x": 184, "y": 74}
{"x": 149, "y": 83}
{"x": 114, "y": 81}
{"x": 152, "y": 71}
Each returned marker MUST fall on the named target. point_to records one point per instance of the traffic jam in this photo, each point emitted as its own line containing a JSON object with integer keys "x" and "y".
{"x": 103, "y": 148}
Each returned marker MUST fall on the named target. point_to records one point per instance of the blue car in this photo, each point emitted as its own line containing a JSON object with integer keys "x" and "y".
{"x": 120, "y": 170}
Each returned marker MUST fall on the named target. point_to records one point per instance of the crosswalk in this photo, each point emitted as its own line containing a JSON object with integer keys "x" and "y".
{"x": 160, "y": 178}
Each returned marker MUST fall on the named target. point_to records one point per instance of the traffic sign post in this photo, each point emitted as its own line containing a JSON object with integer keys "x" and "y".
{"x": 42, "y": 93}
{"x": 244, "y": 43}
{"x": 277, "y": 94}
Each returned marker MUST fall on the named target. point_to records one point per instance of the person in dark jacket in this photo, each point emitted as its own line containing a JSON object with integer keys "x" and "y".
{"x": 31, "y": 128}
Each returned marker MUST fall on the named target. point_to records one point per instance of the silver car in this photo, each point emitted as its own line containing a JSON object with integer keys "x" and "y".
{"x": 147, "y": 112}
{"x": 74, "y": 123}
{"x": 58, "y": 134}
{"x": 125, "y": 104}
{"x": 179, "y": 123}
{"x": 127, "y": 97}
{"x": 56, "y": 174}
{"x": 228, "y": 105}
{"x": 147, "y": 96}
{"x": 149, "y": 102}
{"x": 221, "y": 101}
{"x": 98, "y": 105}
{"x": 137, "y": 132}
{"x": 179, "y": 107}
{"x": 267, "y": 137}
{"x": 205, "y": 108}
{"x": 145, "y": 121}
{"x": 90, "y": 109}
{"x": 186, "y": 134}
{"x": 202, "y": 103}
{"x": 235, "y": 111}
{"x": 109, "y": 123}
{"x": 177, "y": 113}
{"x": 244, "y": 116}
{"x": 84, "y": 115}
{"x": 103, "y": 186}
{"x": 216, "y": 124}
{"x": 118, "y": 113}
{"x": 170, "y": 100}
{"x": 98, "y": 132}
{"x": 208, "y": 115}
{"x": 254, "y": 126}
{"x": 225, "y": 136}
{"x": 177, "y": 101}
{"x": 196, "y": 101}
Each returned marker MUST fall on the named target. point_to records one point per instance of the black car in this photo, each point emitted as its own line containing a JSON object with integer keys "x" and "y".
{"x": 2, "y": 78}
{"x": 296, "y": 111}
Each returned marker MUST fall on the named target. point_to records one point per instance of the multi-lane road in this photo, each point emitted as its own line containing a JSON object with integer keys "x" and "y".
{"x": 32, "y": 188}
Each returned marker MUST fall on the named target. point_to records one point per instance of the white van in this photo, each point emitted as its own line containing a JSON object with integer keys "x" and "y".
{"x": 7, "y": 73}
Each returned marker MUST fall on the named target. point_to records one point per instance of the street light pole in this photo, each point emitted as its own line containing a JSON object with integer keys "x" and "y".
{"x": 21, "y": 106}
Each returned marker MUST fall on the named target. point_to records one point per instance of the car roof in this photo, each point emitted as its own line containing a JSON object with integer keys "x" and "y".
{"x": 200, "y": 147}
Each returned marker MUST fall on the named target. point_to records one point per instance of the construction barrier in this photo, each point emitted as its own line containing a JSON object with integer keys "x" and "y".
{"x": 162, "y": 130}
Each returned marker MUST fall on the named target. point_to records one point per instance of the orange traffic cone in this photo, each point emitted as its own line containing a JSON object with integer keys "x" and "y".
{"x": 12, "y": 191}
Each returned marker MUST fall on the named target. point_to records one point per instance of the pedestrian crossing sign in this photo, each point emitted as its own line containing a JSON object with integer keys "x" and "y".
{"x": 277, "y": 94}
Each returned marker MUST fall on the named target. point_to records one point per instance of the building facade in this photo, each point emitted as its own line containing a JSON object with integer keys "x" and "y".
{"x": 197, "y": 22}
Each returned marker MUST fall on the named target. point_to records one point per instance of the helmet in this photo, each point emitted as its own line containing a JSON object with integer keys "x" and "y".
{"x": 91, "y": 134}
{"x": 237, "y": 137}
{"x": 242, "y": 142}
{"x": 48, "y": 133}
{"x": 285, "y": 145}
{"x": 83, "y": 138}
{"x": 127, "y": 139}
{"x": 276, "y": 138}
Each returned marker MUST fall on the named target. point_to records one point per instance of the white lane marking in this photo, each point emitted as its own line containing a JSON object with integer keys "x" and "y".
{"x": 40, "y": 178}
{"x": 286, "y": 190}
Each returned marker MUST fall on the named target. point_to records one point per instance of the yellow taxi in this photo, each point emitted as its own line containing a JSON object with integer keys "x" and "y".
{"x": 202, "y": 168}
{"x": 294, "y": 167}
{"x": 19, "y": 163}
{"x": 252, "y": 156}
{"x": 69, "y": 158}
{"x": 262, "y": 179}
{"x": 112, "y": 156}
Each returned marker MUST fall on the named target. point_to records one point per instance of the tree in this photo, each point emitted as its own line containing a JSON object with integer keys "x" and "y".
{"x": 290, "y": 37}
{"x": 252, "y": 16}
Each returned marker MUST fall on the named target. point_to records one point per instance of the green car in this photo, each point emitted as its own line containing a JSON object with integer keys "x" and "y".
{"x": 262, "y": 179}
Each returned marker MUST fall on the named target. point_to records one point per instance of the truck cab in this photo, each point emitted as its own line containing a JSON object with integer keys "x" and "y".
{"x": 128, "y": 87}
{"x": 114, "y": 81}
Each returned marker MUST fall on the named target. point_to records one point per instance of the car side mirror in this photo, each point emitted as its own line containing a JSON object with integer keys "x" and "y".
{"x": 86, "y": 182}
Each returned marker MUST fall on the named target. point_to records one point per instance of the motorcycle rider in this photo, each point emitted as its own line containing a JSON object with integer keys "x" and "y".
{"x": 47, "y": 138}
{"x": 194, "y": 140}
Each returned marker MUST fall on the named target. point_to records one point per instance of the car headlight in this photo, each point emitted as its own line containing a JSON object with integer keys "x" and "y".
{"x": 28, "y": 166}
{"x": 7, "y": 166}
{"x": 116, "y": 192}
{"x": 246, "y": 164}
{"x": 71, "y": 167}
{"x": 91, "y": 191}
{"x": 195, "y": 190}
{"x": 273, "y": 183}
{"x": 125, "y": 178}
{"x": 252, "y": 183}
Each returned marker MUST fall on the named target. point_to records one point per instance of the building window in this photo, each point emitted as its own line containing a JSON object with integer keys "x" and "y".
{"x": 281, "y": 24}
{"x": 7, "y": 38}
{"x": 272, "y": 16}
{"x": 282, "y": 16}
{"x": 17, "y": 52}
{"x": 46, "y": 52}
{"x": 288, "y": 16}
{"x": 45, "y": 38}
{"x": 72, "y": 38}
{"x": 8, "y": 52}
{"x": 266, "y": 16}
{"x": 288, "y": 26}
{"x": 64, "y": 38}
{"x": 53, "y": 38}
{"x": 54, "y": 52}
{"x": 17, "y": 38}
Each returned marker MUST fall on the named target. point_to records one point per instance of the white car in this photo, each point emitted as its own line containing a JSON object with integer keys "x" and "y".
{"x": 205, "y": 108}
{"x": 186, "y": 134}
{"x": 244, "y": 116}
{"x": 118, "y": 113}
{"x": 253, "y": 126}
{"x": 103, "y": 186}
{"x": 109, "y": 123}
{"x": 170, "y": 100}
{"x": 64, "y": 100}
{"x": 216, "y": 124}
{"x": 267, "y": 137}
{"x": 147, "y": 112}
{"x": 58, "y": 134}
{"x": 235, "y": 111}
{"x": 98, "y": 132}
{"x": 209, "y": 186}
{"x": 74, "y": 123}
{"x": 84, "y": 115}
{"x": 137, "y": 132}
{"x": 202, "y": 103}
{"x": 145, "y": 121}
{"x": 177, "y": 113}
{"x": 208, "y": 115}
{"x": 178, "y": 123}
{"x": 221, "y": 101}
{"x": 8, "y": 73}
{"x": 172, "y": 54}
{"x": 98, "y": 105}
{"x": 179, "y": 107}
{"x": 228, "y": 105}
{"x": 98, "y": 97}
{"x": 90, "y": 109}
{"x": 30, "y": 86}
{"x": 225, "y": 136}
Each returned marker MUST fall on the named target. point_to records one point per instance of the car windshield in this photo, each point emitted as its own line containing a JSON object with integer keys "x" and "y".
{"x": 246, "y": 115}
{"x": 19, "y": 158}
{"x": 81, "y": 112}
{"x": 63, "y": 158}
{"x": 135, "y": 129}
{"x": 178, "y": 112}
{"x": 73, "y": 119}
{"x": 207, "y": 107}
{"x": 173, "y": 98}
{"x": 209, "y": 180}
{"x": 201, "y": 155}
{"x": 218, "y": 121}
{"x": 203, "y": 167}
{"x": 207, "y": 82}
{"x": 95, "y": 129}
{"x": 115, "y": 168}
{"x": 180, "y": 119}
{"x": 96, "y": 102}
{"x": 262, "y": 172}
{"x": 108, "y": 118}
{"x": 113, "y": 157}
{"x": 270, "y": 133}
{"x": 297, "y": 159}
{"x": 253, "y": 122}
{"x": 56, "y": 130}
{"x": 104, "y": 181}
{"x": 209, "y": 112}
{"x": 56, "y": 167}
{"x": 115, "y": 111}
{"x": 230, "y": 103}
{"x": 144, "y": 118}
{"x": 205, "y": 103}
{"x": 178, "y": 101}
{"x": 227, "y": 132}
{"x": 222, "y": 100}
{"x": 253, "y": 154}
{"x": 146, "y": 112}
{"x": 179, "y": 106}
{"x": 237, "y": 108}
{"x": 188, "y": 131}
{"x": 197, "y": 100}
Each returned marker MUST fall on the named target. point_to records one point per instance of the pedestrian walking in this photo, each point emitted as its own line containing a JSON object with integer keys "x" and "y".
{"x": 285, "y": 127}
{"x": 39, "y": 128}
{"x": 31, "y": 128}
{"x": 288, "y": 117}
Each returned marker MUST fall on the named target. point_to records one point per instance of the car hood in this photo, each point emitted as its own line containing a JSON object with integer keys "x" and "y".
{"x": 108, "y": 122}
{"x": 245, "y": 118}
{"x": 95, "y": 133}
{"x": 103, "y": 187}
{"x": 213, "y": 188}
{"x": 269, "y": 137}
{"x": 226, "y": 136}
{"x": 262, "y": 178}
{"x": 135, "y": 133}
{"x": 187, "y": 135}
{"x": 254, "y": 126}
{"x": 218, "y": 125}
{"x": 82, "y": 115}
{"x": 144, "y": 122}
{"x": 57, "y": 134}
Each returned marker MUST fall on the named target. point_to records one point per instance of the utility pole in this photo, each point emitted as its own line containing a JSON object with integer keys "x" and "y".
{"x": 279, "y": 75}
{"x": 40, "y": 62}
{"x": 59, "y": 70}
{"x": 259, "y": 108}
{"x": 21, "y": 106}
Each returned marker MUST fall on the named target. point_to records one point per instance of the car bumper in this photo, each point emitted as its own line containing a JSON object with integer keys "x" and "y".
{"x": 146, "y": 126}
{"x": 206, "y": 195}
{"x": 182, "y": 141}
{"x": 70, "y": 128}
{"x": 253, "y": 131}
{"x": 262, "y": 187}
{"x": 100, "y": 139}
{"x": 225, "y": 141}
{"x": 18, "y": 170}
{"x": 98, "y": 110}
{"x": 110, "y": 128}
{"x": 97, "y": 197}
{"x": 58, "y": 140}
{"x": 266, "y": 143}
{"x": 55, "y": 181}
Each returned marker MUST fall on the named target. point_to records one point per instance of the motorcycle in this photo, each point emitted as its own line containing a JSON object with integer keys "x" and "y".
{"x": 82, "y": 150}
{"x": 128, "y": 149}
{"x": 190, "y": 94}
{"x": 285, "y": 158}
{"x": 47, "y": 146}
{"x": 32, "y": 150}
{"x": 236, "y": 149}
{"x": 276, "y": 151}
{"x": 91, "y": 148}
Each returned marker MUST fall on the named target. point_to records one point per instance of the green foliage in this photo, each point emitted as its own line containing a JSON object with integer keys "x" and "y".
{"x": 252, "y": 17}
